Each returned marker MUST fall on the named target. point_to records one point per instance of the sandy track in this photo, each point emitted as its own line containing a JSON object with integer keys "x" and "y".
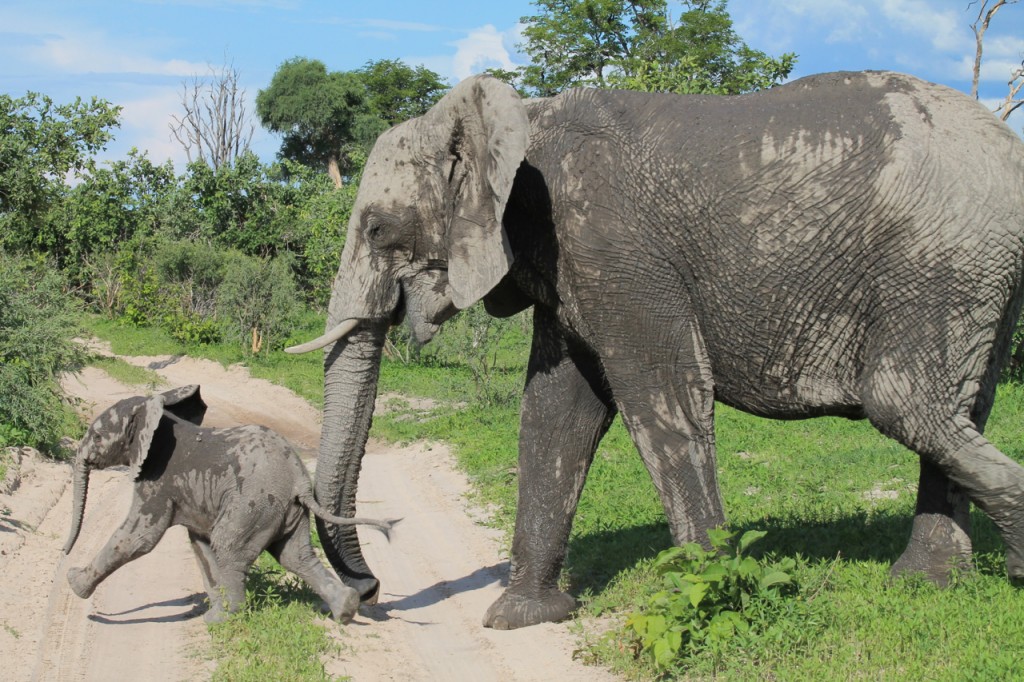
{"x": 439, "y": 573}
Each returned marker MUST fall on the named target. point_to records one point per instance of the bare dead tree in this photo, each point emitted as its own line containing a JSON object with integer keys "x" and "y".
{"x": 986, "y": 11}
{"x": 1014, "y": 98}
{"x": 216, "y": 127}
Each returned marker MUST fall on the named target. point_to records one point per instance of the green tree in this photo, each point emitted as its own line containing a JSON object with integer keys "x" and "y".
{"x": 109, "y": 207}
{"x": 397, "y": 92}
{"x": 318, "y": 113}
{"x": 41, "y": 143}
{"x": 38, "y": 321}
{"x": 637, "y": 44}
{"x": 331, "y": 119}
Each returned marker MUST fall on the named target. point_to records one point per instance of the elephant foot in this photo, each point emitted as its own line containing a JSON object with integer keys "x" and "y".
{"x": 513, "y": 610}
{"x": 214, "y": 616}
{"x": 343, "y": 606}
{"x": 80, "y": 583}
{"x": 938, "y": 548}
{"x": 1015, "y": 567}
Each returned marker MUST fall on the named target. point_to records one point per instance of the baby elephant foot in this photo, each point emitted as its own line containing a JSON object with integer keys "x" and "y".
{"x": 80, "y": 583}
{"x": 513, "y": 610}
{"x": 344, "y": 604}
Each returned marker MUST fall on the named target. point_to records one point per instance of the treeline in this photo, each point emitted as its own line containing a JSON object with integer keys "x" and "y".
{"x": 228, "y": 252}
{"x": 221, "y": 252}
{"x": 231, "y": 249}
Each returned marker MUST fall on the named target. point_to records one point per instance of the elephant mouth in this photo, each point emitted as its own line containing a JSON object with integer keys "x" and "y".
{"x": 424, "y": 325}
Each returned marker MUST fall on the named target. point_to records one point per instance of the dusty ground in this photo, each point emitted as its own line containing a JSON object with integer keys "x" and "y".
{"x": 439, "y": 573}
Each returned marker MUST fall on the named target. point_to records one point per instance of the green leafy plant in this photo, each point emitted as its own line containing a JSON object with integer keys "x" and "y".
{"x": 257, "y": 301}
{"x": 708, "y": 597}
{"x": 38, "y": 322}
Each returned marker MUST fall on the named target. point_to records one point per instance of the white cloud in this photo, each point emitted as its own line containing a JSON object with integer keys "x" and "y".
{"x": 483, "y": 48}
{"x": 846, "y": 20}
{"x": 145, "y": 121}
{"x": 774, "y": 24}
{"x": 45, "y": 42}
{"x": 93, "y": 52}
{"x": 1004, "y": 47}
{"x": 993, "y": 69}
{"x": 944, "y": 29}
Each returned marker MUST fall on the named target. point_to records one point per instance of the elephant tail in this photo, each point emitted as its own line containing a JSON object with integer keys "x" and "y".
{"x": 305, "y": 497}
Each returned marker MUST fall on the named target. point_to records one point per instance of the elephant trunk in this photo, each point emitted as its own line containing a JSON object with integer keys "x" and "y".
{"x": 81, "y": 482}
{"x": 351, "y": 369}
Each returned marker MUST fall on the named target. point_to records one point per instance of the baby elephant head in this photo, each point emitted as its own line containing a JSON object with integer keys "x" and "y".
{"x": 123, "y": 435}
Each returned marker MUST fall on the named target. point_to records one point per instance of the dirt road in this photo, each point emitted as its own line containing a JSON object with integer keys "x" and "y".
{"x": 439, "y": 573}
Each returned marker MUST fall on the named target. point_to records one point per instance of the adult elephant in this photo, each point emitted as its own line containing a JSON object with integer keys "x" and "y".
{"x": 848, "y": 244}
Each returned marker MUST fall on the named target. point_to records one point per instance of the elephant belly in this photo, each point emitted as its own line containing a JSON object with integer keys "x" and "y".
{"x": 813, "y": 375}
{"x": 788, "y": 397}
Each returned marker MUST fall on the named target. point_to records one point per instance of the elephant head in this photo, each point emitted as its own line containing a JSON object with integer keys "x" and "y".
{"x": 424, "y": 241}
{"x": 122, "y": 435}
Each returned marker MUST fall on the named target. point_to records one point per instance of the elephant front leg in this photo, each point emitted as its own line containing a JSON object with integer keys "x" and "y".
{"x": 664, "y": 388}
{"x": 564, "y": 414}
{"x": 940, "y": 539}
{"x": 137, "y": 535}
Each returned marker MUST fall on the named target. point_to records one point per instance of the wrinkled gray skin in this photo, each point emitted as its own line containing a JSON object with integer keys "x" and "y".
{"x": 848, "y": 244}
{"x": 238, "y": 491}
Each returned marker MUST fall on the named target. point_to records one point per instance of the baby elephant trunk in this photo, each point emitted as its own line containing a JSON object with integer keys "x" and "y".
{"x": 81, "y": 478}
{"x": 305, "y": 497}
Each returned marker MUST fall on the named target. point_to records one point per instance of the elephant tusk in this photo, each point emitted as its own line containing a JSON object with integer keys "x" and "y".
{"x": 340, "y": 331}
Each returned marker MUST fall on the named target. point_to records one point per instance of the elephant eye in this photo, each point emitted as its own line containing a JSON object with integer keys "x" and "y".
{"x": 376, "y": 230}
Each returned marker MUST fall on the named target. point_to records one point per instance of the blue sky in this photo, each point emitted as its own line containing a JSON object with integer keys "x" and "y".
{"x": 137, "y": 53}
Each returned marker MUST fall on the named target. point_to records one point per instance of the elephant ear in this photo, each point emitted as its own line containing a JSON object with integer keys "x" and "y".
{"x": 487, "y": 135}
{"x": 186, "y": 403}
{"x": 140, "y": 430}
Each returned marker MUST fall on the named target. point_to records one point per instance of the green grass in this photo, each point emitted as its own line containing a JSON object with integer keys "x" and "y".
{"x": 832, "y": 492}
{"x": 5, "y": 461}
{"x": 279, "y": 634}
{"x": 126, "y": 373}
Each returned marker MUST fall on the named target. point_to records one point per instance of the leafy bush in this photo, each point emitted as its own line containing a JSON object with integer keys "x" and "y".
{"x": 258, "y": 301}
{"x": 38, "y": 321}
{"x": 493, "y": 349}
{"x": 708, "y": 597}
{"x": 189, "y": 274}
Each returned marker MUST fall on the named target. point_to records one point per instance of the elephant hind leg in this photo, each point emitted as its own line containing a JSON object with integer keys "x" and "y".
{"x": 995, "y": 483}
{"x": 940, "y": 537}
{"x": 207, "y": 562}
{"x": 295, "y": 553}
{"x": 956, "y": 456}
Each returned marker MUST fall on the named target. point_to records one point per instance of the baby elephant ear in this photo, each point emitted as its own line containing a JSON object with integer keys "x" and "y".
{"x": 185, "y": 403}
{"x": 140, "y": 431}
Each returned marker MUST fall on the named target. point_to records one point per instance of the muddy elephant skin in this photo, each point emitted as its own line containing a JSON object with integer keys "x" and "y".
{"x": 238, "y": 491}
{"x": 848, "y": 244}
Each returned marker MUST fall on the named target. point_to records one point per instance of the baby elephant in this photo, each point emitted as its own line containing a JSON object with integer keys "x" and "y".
{"x": 238, "y": 491}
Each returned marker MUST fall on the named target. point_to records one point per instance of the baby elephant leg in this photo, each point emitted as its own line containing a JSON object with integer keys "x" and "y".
{"x": 137, "y": 535}
{"x": 295, "y": 553}
{"x": 207, "y": 562}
